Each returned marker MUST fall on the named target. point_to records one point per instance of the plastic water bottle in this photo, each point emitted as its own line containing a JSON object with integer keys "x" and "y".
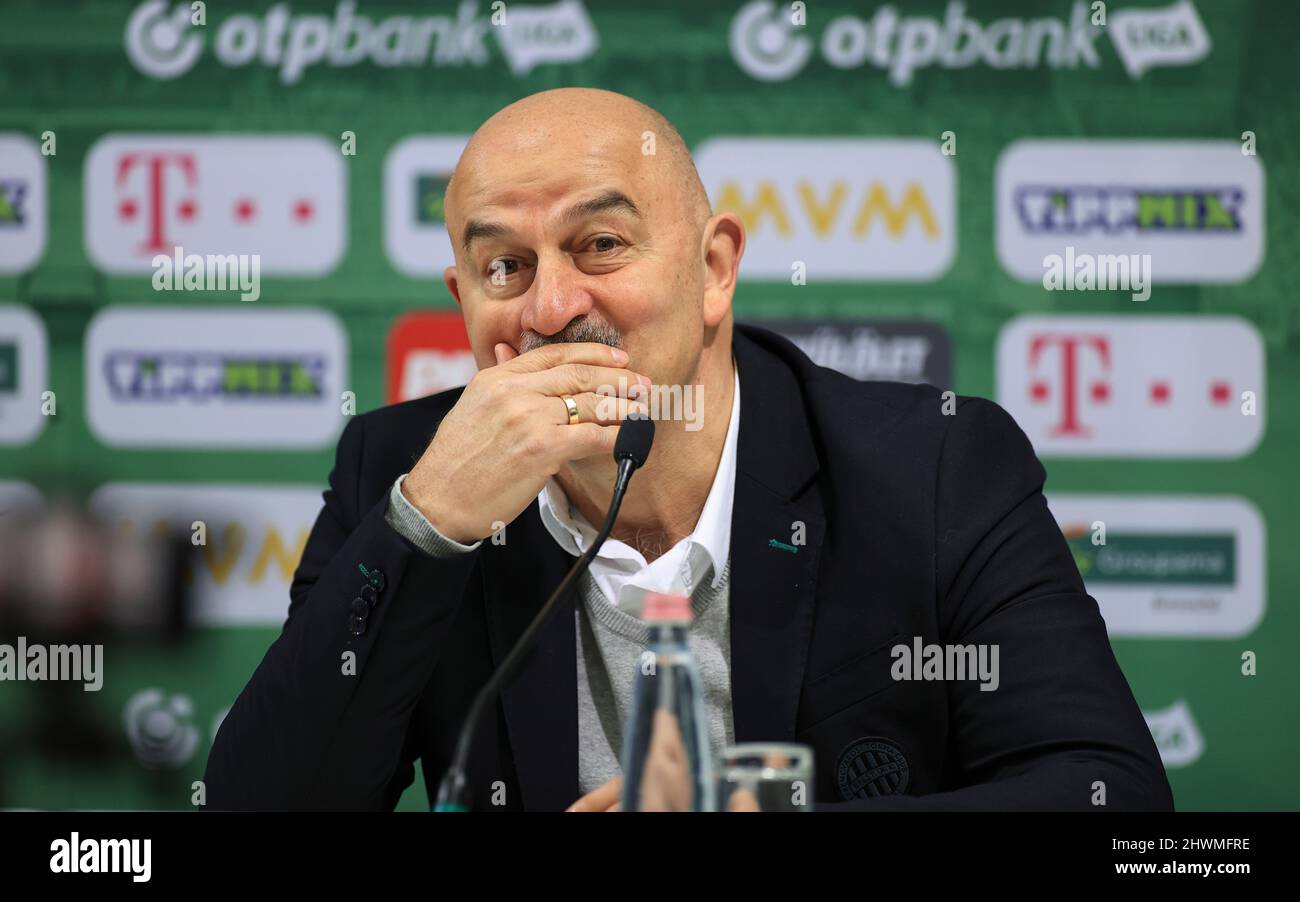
{"x": 667, "y": 696}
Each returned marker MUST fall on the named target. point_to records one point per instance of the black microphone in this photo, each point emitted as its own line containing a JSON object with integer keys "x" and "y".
{"x": 631, "y": 449}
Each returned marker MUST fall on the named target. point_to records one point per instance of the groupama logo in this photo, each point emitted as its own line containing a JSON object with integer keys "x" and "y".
{"x": 163, "y": 42}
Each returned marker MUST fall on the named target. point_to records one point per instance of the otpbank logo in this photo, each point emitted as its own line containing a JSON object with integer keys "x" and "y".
{"x": 836, "y": 208}
{"x": 770, "y": 42}
{"x": 1168, "y": 565}
{"x": 163, "y": 40}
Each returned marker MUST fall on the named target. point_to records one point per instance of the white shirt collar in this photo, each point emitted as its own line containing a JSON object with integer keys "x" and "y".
{"x": 679, "y": 570}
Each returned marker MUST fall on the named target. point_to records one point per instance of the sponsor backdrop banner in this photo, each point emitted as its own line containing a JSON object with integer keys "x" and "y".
{"x": 220, "y": 239}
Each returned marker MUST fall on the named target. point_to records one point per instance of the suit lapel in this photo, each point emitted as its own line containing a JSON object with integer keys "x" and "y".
{"x": 540, "y": 703}
{"x": 772, "y": 592}
{"x": 773, "y": 576}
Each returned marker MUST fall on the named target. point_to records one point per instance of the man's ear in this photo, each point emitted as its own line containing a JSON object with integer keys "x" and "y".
{"x": 449, "y": 279}
{"x": 724, "y": 243}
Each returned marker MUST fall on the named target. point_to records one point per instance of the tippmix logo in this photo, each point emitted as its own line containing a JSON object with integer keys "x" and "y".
{"x": 23, "y": 217}
{"x": 1195, "y": 208}
{"x": 215, "y": 378}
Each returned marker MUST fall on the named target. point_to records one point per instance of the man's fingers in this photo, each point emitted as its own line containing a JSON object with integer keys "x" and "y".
{"x": 584, "y": 440}
{"x": 742, "y": 800}
{"x": 666, "y": 739}
{"x": 550, "y": 356}
{"x": 504, "y": 353}
{"x": 602, "y": 798}
{"x": 594, "y": 408}
{"x": 572, "y": 378}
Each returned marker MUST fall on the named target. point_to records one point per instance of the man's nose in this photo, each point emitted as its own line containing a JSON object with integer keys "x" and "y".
{"x": 558, "y": 296}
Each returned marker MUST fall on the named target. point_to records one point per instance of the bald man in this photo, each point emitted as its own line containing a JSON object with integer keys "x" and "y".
{"x": 848, "y": 547}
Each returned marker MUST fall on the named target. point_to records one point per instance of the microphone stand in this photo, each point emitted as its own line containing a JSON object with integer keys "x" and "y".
{"x": 452, "y": 790}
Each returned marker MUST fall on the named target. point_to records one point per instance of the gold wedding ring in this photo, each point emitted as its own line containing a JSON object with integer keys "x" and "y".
{"x": 572, "y": 407}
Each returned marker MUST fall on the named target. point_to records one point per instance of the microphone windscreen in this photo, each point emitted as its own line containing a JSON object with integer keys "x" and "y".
{"x": 635, "y": 437}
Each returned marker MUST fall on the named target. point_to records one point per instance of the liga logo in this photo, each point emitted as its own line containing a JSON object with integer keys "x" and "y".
{"x": 253, "y": 538}
{"x": 163, "y": 42}
{"x": 280, "y": 198}
{"x": 1134, "y": 386}
{"x": 768, "y": 45}
{"x": 427, "y": 353}
{"x": 844, "y": 208}
{"x": 1162, "y": 565}
{"x": 1195, "y": 207}
{"x": 160, "y": 729}
{"x": 23, "y": 217}
{"x": 215, "y": 378}
{"x": 416, "y": 173}
{"x": 24, "y": 374}
{"x": 1177, "y": 736}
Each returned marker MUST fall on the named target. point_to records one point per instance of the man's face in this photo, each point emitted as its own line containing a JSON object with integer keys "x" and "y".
{"x": 562, "y": 235}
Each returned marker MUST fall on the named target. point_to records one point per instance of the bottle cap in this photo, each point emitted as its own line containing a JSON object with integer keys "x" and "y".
{"x": 660, "y": 607}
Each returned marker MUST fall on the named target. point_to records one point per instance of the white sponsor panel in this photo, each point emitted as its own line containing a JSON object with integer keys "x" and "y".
{"x": 1170, "y": 565}
{"x": 430, "y": 371}
{"x": 24, "y": 374}
{"x": 1134, "y": 386}
{"x": 281, "y": 197}
{"x": 846, "y": 208}
{"x": 254, "y": 536}
{"x": 212, "y": 378}
{"x": 416, "y": 239}
{"x": 24, "y": 224}
{"x": 163, "y": 42}
{"x": 18, "y": 498}
{"x": 1197, "y": 207}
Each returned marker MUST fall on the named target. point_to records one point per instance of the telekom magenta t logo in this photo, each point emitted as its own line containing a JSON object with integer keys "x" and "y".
{"x": 155, "y": 210}
{"x": 1070, "y": 348}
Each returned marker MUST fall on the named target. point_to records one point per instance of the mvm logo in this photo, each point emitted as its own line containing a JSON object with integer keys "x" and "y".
{"x": 248, "y": 540}
{"x": 231, "y": 552}
{"x": 836, "y": 209}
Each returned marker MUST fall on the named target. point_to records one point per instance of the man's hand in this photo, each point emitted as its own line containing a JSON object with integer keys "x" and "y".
{"x": 666, "y": 783}
{"x": 509, "y": 432}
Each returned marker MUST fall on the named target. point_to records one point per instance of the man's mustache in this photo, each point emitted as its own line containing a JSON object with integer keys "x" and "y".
{"x": 583, "y": 329}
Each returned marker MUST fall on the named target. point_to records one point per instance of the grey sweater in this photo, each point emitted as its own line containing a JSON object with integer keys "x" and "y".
{"x": 610, "y": 642}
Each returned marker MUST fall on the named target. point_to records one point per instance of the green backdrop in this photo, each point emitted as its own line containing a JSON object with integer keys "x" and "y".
{"x": 64, "y": 68}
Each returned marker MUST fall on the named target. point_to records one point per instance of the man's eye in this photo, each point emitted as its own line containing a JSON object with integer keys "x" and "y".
{"x": 604, "y": 243}
{"x": 499, "y": 269}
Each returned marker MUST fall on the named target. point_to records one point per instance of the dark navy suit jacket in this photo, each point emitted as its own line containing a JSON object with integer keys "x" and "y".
{"x": 917, "y": 523}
